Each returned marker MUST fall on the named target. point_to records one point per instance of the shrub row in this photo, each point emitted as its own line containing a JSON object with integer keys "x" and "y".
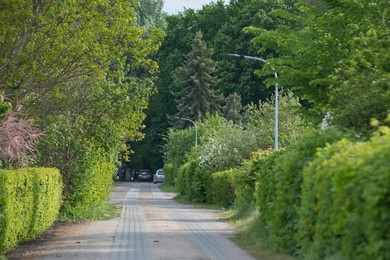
{"x": 322, "y": 198}
{"x": 29, "y": 203}
{"x": 91, "y": 187}
{"x": 197, "y": 185}
{"x": 347, "y": 214}
{"x": 170, "y": 173}
{"x": 221, "y": 188}
{"x": 278, "y": 187}
{"x": 326, "y": 197}
{"x": 191, "y": 182}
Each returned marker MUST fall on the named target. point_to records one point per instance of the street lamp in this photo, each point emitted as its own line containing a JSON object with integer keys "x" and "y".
{"x": 196, "y": 128}
{"x": 276, "y": 93}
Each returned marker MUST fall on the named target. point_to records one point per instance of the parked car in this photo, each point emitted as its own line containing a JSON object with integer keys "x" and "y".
{"x": 159, "y": 176}
{"x": 145, "y": 175}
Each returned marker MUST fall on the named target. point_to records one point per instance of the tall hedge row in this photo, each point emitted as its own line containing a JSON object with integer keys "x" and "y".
{"x": 345, "y": 211}
{"x": 170, "y": 173}
{"x": 221, "y": 188}
{"x": 278, "y": 186}
{"x": 91, "y": 188}
{"x": 29, "y": 203}
{"x": 191, "y": 182}
{"x": 322, "y": 198}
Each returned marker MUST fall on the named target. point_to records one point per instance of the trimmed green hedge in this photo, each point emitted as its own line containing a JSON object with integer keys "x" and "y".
{"x": 322, "y": 198}
{"x": 221, "y": 189}
{"x": 170, "y": 173}
{"x": 279, "y": 181}
{"x": 191, "y": 182}
{"x": 245, "y": 180}
{"x": 89, "y": 185}
{"x": 91, "y": 188}
{"x": 265, "y": 192}
{"x": 29, "y": 203}
{"x": 345, "y": 211}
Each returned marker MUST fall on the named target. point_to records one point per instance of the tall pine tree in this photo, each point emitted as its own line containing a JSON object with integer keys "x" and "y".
{"x": 195, "y": 80}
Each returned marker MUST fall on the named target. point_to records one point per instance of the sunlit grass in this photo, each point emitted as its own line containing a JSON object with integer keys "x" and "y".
{"x": 251, "y": 235}
{"x": 98, "y": 211}
{"x": 168, "y": 188}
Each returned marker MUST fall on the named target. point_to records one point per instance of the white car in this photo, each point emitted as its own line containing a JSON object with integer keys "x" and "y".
{"x": 159, "y": 176}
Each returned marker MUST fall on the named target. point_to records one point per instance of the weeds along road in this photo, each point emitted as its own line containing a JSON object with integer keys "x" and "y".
{"x": 151, "y": 226}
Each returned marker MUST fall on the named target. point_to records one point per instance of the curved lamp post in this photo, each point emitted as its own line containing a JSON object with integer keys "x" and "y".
{"x": 276, "y": 141}
{"x": 196, "y": 128}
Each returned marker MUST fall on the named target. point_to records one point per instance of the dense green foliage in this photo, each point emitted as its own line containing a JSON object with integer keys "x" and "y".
{"x": 91, "y": 187}
{"x": 170, "y": 173}
{"x": 220, "y": 188}
{"x": 335, "y": 54}
{"x": 221, "y": 25}
{"x": 318, "y": 197}
{"x": 191, "y": 182}
{"x": 4, "y": 106}
{"x": 83, "y": 70}
{"x": 195, "y": 81}
{"x": 278, "y": 186}
{"x": 347, "y": 214}
{"x": 150, "y": 14}
{"x": 312, "y": 201}
{"x": 30, "y": 200}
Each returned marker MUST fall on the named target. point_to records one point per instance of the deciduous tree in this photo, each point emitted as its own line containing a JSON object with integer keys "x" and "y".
{"x": 335, "y": 54}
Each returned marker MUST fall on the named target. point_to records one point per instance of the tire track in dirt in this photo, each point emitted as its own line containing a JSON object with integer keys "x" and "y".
{"x": 131, "y": 239}
{"x": 214, "y": 244}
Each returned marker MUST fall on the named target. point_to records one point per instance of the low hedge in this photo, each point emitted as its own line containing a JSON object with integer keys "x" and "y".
{"x": 191, "y": 182}
{"x": 29, "y": 203}
{"x": 221, "y": 189}
{"x": 345, "y": 211}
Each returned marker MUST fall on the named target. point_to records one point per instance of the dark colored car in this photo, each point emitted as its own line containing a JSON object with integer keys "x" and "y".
{"x": 145, "y": 175}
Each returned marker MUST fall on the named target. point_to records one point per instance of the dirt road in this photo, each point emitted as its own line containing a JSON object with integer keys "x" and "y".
{"x": 151, "y": 226}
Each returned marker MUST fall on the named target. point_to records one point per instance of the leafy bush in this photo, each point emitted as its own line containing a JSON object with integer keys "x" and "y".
{"x": 245, "y": 180}
{"x": 226, "y": 147}
{"x": 288, "y": 171}
{"x": 91, "y": 186}
{"x": 29, "y": 203}
{"x": 170, "y": 173}
{"x": 260, "y": 120}
{"x": 221, "y": 189}
{"x": 181, "y": 180}
{"x": 345, "y": 210}
{"x": 5, "y": 107}
{"x": 265, "y": 189}
{"x": 179, "y": 145}
{"x": 191, "y": 182}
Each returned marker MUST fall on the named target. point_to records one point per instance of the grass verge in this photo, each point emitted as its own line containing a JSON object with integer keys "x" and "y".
{"x": 251, "y": 235}
{"x": 168, "y": 188}
{"x": 98, "y": 211}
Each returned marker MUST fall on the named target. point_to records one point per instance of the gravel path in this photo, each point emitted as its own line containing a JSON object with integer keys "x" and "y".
{"x": 151, "y": 226}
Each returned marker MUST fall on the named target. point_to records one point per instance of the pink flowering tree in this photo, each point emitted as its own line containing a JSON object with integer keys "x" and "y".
{"x": 18, "y": 139}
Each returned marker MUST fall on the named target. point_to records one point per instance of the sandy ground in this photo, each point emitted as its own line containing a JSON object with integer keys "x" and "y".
{"x": 151, "y": 226}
